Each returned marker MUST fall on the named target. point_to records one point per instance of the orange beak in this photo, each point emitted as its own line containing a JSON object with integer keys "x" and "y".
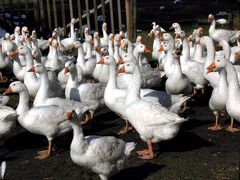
{"x": 121, "y": 70}
{"x": 160, "y": 37}
{"x": 161, "y": 48}
{"x": 91, "y": 41}
{"x": 101, "y": 53}
{"x": 151, "y": 34}
{"x": 120, "y": 61}
{"x": 30, "y": 38}
{"x": 177, "y": 36}
{"x": 10, "y": 55}
{"x": 211, "y": 67}
{"x": 57, "y": 45}
{"x": 69, "y": 115}
{"x": 147, "y": 50}
{"x": 8, "y": 90}
{"x": 172, "y": 27}
{"x": 190, "y": 39}
{"x": 73, "y": 46}
{"x": 237, "y": 54}
{"x": 32, "y": 69}
{"x": 98, "y": 37}
{"x": 96, "y": 48}
{"x": 101, "y": 61}
{"x": 66, "y": 70}
{"x": 125, "y": 46}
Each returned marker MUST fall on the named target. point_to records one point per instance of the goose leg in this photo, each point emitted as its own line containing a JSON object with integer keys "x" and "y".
{"x": 150, "y": 154}
{"x": 217, "y": 126}
{"x": 41, "y": 155}
{"x": 126, "y": 129}
{"x": 230, "y": 128}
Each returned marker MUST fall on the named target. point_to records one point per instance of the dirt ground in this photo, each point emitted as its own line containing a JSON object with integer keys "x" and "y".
{"x": 195, "y": 153}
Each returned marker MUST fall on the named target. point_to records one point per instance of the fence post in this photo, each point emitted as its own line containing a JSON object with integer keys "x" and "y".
{"x": 36, "y": 11}
{"x": 131, "y": 18}
{"x": 42, "y": 16}
{"x": 2, "y": 6}
{"x": 26, "y": 6}
{"x": 80, "y": 18}
{"x": 71, "y": 9}
{"x": 95, "y": 14}
{"x": 119, "y": 15}
{"x": 63, "y": 17}
{"x": 55, "y": 13}
{"x": 111, "y": 16}
{"x": 87, "y": 12}
{"x": 103, "y": 10}
{"x": 49, "y": 15}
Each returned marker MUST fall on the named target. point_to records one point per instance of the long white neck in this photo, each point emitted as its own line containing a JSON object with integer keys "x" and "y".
{"x": 212, "y": 27}
{"x": 116, "y": 53}
{"x": 105, "y": 35}
{"x": 133, "y": 90}
{"x": 30, "y": 75}
{"x": 223, "y": 83}
{"x": 177, "y": 68}
{"x": 130, "y": 47}
{"x": 233, "y": 84}
{"x": 210, "y": 52}
{"x": 49, "y": 56}
{"x": 137, "y": 55}
{"x": 185, "y": 52}
{"x": 110, "y": 48}
{"x": 23, "y": 106}
{"x": 72, "y": 82}
{"x": 198, "y": 52}
{"x": 80, "y": 58}
{"x": 54, "y": 59}
{"x": 226, "y": 49}
{"x": 78, "y": 144}
{"x": 42, "y": 93}
{"x": 72, "y": 31}
{"x": 89, "y": 50}
{"x": 112, "y": 82}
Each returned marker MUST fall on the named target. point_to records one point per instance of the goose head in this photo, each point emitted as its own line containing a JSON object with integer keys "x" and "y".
{"x": 167, "y": 37}
{"x": 165, "y": 47}
{"x": 128, "y": 57}
{"x": 210, "y": 18}
{"x": 22, "y": 50}
{"x": 176, "y": 27}
{"x": 73, "y": 21}
{"x": 218, "y": 64}
{"x": 15, "y": 87}
{"x": 104, "y": 26}
{"x": 17, "y": 30}
{"x": 117, "y": 40}
{"x": 96, "y": 35}
{"x": 124, "y": 43}
{"x": 7, "y": 36}
{"x": 86, "y": 31}
{"x": 55, "y": 43}
{"x": 180, "y": 35}
{"x": 25, "y": 30}
{"x": 38, "y": 68}
{"x": 108, "y": 60}
{"x": 142, "y": 48}
{"x": 199, "y": 31}
{"x": 139, "y": 39}
{"x": 76, "y": 45}
{"x": 69, "y": 65}
{"x": 128, "y": 67}
{"x": 111, "y": 37}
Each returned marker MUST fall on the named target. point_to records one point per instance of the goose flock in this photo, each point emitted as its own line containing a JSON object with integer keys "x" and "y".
{"x": 114, "y": 74}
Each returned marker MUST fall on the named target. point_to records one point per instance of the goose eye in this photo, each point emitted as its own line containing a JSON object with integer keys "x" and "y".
{"x": 127, "y": 64}
{"x": 218, "y": 60}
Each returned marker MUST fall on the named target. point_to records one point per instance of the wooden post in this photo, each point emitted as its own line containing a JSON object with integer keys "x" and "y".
{"x": 26, "y": 6}
{"x": 111, "y": 16}
{"x": 131, "y": 18}
{"x": 42, "y": 16}
{"x": 63, "y": 18}
{"x": 49, "y": 15}
{"x": 19, "y": 14}
{"x": 103, "y": 10}
{"x": 2, "y": 6}
{"x": 95, "y": 14}
{"x": 119, "y": 15}
{"x": 36, "y": 12}
{"x": 88, "y": 15}
{"x": 71, "y": 9}
{"x": 55, "y": 13}
{"x": 80, "y": 18}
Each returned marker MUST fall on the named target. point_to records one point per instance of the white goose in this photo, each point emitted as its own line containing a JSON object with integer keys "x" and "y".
{"x": 87, "y": 65}
{"x": 233, "y": 97}
{"x": 219, "y": 96}
{"x": 104, "y": 39}
{"x": 104, "y": 155}
{"x": 91, "y": 94}
{"x": 67, "y": 42}
{"x": 5, "y": 63}
{"x": 218, "y": 34}
{"x": 114, "y": 97}
{"x": 50, "y": 121}
{"x": 156, "y": 123}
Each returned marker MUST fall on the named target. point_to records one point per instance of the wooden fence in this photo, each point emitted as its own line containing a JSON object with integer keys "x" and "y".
{"x": 48, "y": 14}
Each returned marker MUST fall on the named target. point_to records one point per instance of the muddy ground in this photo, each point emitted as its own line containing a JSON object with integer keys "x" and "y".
{"x": 195, "y": 153}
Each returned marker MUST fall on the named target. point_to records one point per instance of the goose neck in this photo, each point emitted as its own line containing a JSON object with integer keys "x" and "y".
{"x": 112, "y": 82}
{"x": 185, "y": 51}
{"x": 133, "y": 90}
{"x": 233, "y": 84}
{"x": 80, "y": 58}
{"x": 89, "y": 51}
{"x": 23, "y": 105}
{"x": 210, "y": 53}
{"x": 78, "y": 142}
